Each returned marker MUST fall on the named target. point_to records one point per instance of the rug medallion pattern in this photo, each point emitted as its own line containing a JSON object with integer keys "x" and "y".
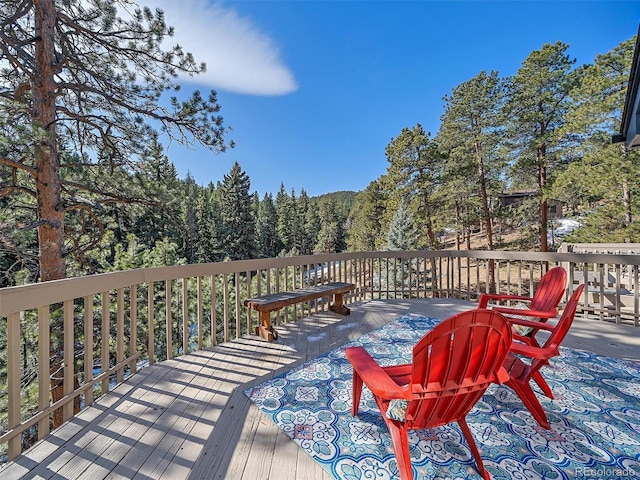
{"x": 595, "y": 418}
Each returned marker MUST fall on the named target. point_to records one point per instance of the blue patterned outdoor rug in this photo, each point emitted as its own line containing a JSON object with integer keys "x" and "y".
{"x": 595, "y": 419}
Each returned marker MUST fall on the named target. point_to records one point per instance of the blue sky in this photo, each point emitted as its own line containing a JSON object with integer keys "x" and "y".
{"x": 315, "y": 90}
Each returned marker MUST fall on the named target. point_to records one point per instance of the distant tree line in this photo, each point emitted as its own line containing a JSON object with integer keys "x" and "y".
{"x": 546, "y": 131}
{"x": 161, "y": 219}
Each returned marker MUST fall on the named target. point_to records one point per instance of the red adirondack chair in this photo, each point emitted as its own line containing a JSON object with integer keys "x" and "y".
{"x": 452, "y": 367}
{"x": 542, "y": 306}
{"x": 521, "y": 373}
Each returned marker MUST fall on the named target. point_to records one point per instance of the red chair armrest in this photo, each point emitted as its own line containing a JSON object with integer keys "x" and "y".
{"x": 536, "y": 325}
{"x": 540, "y": 353}
{"x": 526, "y": 312}
{"x": 376, "y": 377}
{"x": 485, "y": 297}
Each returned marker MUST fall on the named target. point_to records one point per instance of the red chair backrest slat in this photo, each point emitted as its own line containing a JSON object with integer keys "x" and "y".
{"x": 550, "y": 290}
{"x": 454, "y": 364}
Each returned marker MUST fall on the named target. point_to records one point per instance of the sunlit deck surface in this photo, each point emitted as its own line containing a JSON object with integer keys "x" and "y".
{"x": 189, "y": 418}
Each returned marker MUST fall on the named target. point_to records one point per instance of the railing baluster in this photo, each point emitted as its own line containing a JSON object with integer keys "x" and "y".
{"x": 214, "y": 313}
{"x": 248, "y": 275}
{"x": 636, "y": 296}
{"x": 185, "y": 316}
{"x": 133, "y": 327}
{"x": 617, "y": 289}
{"x": 44, "y": 352}
{"x": 13, "y": 380}
{"x": 120, "y": 333}
{"x": 487, "y": 287}
{"x": 151, "y": 323}
{"x": 468, "y": 263}
{"x": 104, "y": 341}
{"x": 168, "y": 320}
{"x": 68, "y": 342}
{"x": 225, "y": 292}
{"x": 238, "y": 315}
{"x": 199, "y": 316}
{"x": 478, "y": 290}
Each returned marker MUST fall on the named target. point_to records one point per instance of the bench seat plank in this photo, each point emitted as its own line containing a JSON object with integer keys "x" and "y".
{"x": 275, "y": 301}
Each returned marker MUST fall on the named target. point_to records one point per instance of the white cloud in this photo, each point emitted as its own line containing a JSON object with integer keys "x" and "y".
{"x": 239, "y": 57}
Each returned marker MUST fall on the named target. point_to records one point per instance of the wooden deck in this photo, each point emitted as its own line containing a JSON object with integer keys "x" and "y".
{"x": 188, "y": 418}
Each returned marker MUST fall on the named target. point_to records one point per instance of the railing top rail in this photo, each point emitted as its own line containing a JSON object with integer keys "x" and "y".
{"x": 31, "y": 296}
{"x": 26, "y": 297}
{"x": 623, "y": 259}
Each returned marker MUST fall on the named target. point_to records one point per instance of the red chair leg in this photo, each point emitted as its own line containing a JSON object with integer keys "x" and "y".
{"x": 356, "y": 393}
{"x": 474, "y": 448}
{"x": 528, "y": 397}
{"x": 544, "y": 386}
{"x": 400, "y": 443}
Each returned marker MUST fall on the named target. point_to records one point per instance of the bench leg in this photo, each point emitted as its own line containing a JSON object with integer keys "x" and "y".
{"x": 265, "y": 330}
{"x": 338, "y": 305}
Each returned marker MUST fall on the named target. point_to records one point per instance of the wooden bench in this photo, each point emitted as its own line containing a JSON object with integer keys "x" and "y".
{"x": 275, "y": 301}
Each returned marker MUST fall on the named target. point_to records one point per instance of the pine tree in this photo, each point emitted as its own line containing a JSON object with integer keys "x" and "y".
{"x": 190, "y": 226}
{"x": 285, "y": 219}
{"x": 538, "y": 98}
{"x": 155, "y": 216}
{"x": 331, "y": 237}
{"x": 306, "y": 240}
{"x": 401, "y": 234}
{"x": 366, "y": 218}
{"x": 269, "y": 244}
{"x": 237, "y": 229}
{"x": 415, "y": 167}
{"x": 470, "y": 133}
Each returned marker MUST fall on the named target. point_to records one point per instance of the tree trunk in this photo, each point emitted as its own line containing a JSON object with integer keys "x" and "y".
{"x": 432, "y": 242}
{"x": 50, "y": 211}
{"x": 486, "y": 216}
{"x": 544, "y": 245}
{"x": 542, "y": 204}
{"x": 458, "y": 222}
{"x": 429, "y": 223}
{"x": 47, "y": 182}
{"x": 626, "y": 200}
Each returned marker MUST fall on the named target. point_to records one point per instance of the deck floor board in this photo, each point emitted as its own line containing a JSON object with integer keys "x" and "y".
{"x": 188, "y": 418}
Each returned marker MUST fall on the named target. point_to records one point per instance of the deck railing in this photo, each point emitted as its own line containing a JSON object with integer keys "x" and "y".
{"x": 63, "y": 343}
